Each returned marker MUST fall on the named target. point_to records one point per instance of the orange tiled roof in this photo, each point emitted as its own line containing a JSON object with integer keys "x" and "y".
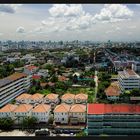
{"x": 41, "y": 108}
{"x": 51, "y": 83}
{"x": 52, "y": 96}
{"x": 68, "y": 96}
{"x": 43, "y": 84}
{"x": 23, "y": 108}
{"x": 36, "y": 96}
{"x": 23, "y": 96}
{"x": 8, "y": 108}
{"x": 62, "y": 108}
{"x": 78, "y": 108}
{"x": 62, "y": 78}
{"x": 113, "y": 90}
{"x": 81, "y": 96}
{"x": 16, "y": 76}
{"x": 130, "y": 72}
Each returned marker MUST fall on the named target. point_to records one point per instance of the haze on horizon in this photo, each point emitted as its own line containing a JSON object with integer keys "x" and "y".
{"x": 97, "y": 22}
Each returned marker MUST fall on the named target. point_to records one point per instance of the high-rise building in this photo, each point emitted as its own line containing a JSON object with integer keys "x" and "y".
{"x": 12, "y": 86}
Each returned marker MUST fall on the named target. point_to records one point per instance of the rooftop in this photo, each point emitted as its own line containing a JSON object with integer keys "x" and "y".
{"x": 41, "y": 108}
{"x": 68, "y": 96}
{"x": 23, "y": 108}
{"x": 52, "y": 96}
{"x": 78, "y": 108}
{"x": 23, "y": 96}
{"x": 31, "y": 67}
{"x": 8, "y": 108}
{"x": 128, "y": 74}
{"x": 36, "y": 77}
{"x": 11, "y": 78}
{"x": 113, "y": 108}
{"x": 81, "y": 96}
{"x": 113, "y": 90}
{"x": 62, "y": 108}
{"x": 36, "y": 96}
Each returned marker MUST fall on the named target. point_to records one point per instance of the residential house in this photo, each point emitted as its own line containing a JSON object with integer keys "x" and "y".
{"x": 7, "y": 111}
{"x": 42, "y": 112}
{"x": 81, "y": 98}
{"x": 23, "y": 98}
{"x": 68, "y": 98}
{"x": 22, "y": 111}
{"x": 78, "y": 114}
{"x": 61, "y": 113}
{"x": 36, "y": 98}
{"x": 113, "y": 91}
{"x": 51, "y": 99}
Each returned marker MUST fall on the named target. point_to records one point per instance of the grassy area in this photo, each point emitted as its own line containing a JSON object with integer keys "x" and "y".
{"x": 44, "y": 91}
{"x": 114, "y": 76}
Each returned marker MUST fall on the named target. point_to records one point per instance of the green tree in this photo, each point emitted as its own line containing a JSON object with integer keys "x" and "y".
{"x": 6, "y": 123}
{"x": 50, "y": 121}
{"x": 135, "y": 92}
{"x": 92, "y": 83}
{"x": 80, "y": 134}
{"x": 29, "y": 122}
{"x": 54, "y": 78}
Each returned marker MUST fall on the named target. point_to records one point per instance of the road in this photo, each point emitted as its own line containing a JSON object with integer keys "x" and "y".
{"x": 96, "y": 84}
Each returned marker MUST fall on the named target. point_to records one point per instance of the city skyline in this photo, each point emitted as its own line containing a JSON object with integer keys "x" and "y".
{"x": 97, "y": 22}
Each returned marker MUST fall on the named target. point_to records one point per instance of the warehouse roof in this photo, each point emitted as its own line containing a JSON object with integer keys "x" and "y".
{"x": 113, "y": 109}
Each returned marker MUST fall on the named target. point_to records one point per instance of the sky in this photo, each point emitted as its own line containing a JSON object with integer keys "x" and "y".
{"x": 67, "y": 22}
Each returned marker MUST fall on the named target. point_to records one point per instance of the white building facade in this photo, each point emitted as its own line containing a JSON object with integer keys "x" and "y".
{"x": 12, "y": 86}
{"x": 128, "y": 80}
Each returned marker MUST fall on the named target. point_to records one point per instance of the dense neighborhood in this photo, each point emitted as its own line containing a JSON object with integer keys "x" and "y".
{"x": 91, "y": 89}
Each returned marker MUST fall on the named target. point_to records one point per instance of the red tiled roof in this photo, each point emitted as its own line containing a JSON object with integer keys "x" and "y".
{"x": 31, "y": 67}
{"x": 36, "y": 77}
{"x": 112, "y": 108}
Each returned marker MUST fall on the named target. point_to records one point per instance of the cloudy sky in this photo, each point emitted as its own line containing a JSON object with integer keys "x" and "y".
{"x": 96, "y": 22}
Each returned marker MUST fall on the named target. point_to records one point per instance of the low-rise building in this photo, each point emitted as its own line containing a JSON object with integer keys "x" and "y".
{"x": 51, "y": 98}
{"x": 113, "y": 91}
{"x": 30, "y": 69}
{"x": 113, "y": 119}
{"x": 36, "y": 98}
{"x": 7, "y": 111}
{"x": 61, "y": 113}
{"x": 68, "y": 98}
{"x": 42, "y": 112}
{"x": 22, "y": 111}
{"x": 23, "y": 98}
{"x": 81, "y": 98}
{"x": 136, "y": 66}
{"x": 78, "y": 114}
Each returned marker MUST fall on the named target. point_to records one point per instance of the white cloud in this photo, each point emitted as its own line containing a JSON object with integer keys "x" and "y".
{"x": 9, "y": 8}
{"x": 109, "y": 31}
{"x": 132, "y": 27}
{"x": 118, "y": 28}
{"x": 114, "y": 12}
{"x": 43, "y": 23}
{"x": 61, "y": 10}
{"x": 20, "y": 29}
{"x": 1, "y": 34}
